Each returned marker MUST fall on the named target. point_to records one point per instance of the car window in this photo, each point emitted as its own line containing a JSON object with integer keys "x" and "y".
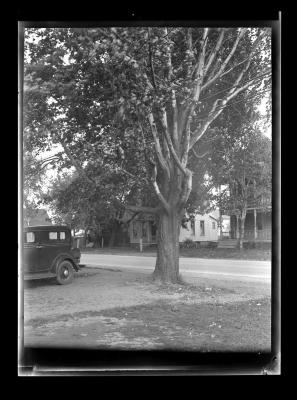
{"x": 62, "y": 235}
{"x": 53, "y": 235}
{"x": 30, "y": 237}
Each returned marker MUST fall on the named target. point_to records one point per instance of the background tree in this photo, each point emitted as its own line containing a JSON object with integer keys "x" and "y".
{"x": 75, "y": 201}
{"x": 242, "y": 165}
{"x": 34, "y": 171}
{"x": 139, "y": 101}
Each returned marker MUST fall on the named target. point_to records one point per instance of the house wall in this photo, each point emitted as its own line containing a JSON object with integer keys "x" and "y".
{"x": 266, "y": 220}
{"x": 142, "y": 228}
{"x": 138, "y": 229}
{"x": 211, "y": 234}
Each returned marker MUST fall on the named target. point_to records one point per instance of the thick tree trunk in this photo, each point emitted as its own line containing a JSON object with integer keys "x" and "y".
{"x": 167, "y": 263}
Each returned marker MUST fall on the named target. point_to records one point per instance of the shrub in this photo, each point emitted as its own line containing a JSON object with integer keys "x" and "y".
{"x": 189, "y": 244}
{"x": 263, "y": 246}
{"x": 212, "y": 245}
{"x": 249, "y": 245}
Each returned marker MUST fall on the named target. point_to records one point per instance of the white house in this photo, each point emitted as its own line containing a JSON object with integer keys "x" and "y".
{"x": 203, "y": 228}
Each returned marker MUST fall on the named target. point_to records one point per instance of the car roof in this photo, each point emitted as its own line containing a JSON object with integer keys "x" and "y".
{"x": 46, "y": 228}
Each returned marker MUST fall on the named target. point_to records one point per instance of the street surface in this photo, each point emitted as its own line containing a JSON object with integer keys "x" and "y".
{"x": 247, "y": 270}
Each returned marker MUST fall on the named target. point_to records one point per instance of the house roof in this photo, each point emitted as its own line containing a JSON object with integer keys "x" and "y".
{"x": 46, "y": 227}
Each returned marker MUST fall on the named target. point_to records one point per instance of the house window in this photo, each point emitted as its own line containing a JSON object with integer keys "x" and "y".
{"x": 134, "y": 230}
{"x": 193, "y": 227}
{"x": 202, "y": 228}
{"x": 144, "y": 230}
{"x": 153, "y": 231}
{"x": 213, "y": 225}
{"x": 62, "y": 236}
{"x": 53, "y": 235}
{"x": 30, "y": 237}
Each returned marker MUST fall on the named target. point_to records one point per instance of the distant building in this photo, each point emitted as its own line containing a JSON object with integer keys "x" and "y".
{"x": 38, "y": 217}
{"x": 202, "y": 228}
{"x": 257, "y": 225}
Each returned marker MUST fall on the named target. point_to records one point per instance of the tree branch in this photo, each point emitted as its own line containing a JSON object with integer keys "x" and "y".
{"x": 233, "y": 92}
{"x": 173, "y": 100}
{"x": 251, "y": 80}
{"x": 158, "y": 192}
{"x": 215, "y": 51}
{"x": 132, "y": 176}
{"x": 199, "y": 156}
{"x": 224, "y": 64}
{"x": 239, "y": 101}
{"x": 198, "y": 77}
{"x": 212, "y": 115}
{"x": 187, "y": 134}
{"x": 151, "y": 59}
{"x": 216, "y": 111}
{"x": 186, "y": 190}
{"x": 159, "y": 153}
{"x": 140, "y": 209}
{"x": 175, "y": 120}
{"x": 169, "y": 142}
{"x": 77, "y": 166}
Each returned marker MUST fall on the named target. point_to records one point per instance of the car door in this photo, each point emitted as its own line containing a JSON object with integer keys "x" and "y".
{"x": 52, "y": 244}
{"x": 30, "y": 252}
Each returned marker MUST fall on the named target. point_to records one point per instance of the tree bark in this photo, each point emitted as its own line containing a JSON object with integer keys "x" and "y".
{"x": 97, "y": 237}
{"x": 167, "y": 263}
{"x": 241, "y": 231}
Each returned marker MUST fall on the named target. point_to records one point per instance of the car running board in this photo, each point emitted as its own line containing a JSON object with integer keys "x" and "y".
{"x": 42, "y": 275}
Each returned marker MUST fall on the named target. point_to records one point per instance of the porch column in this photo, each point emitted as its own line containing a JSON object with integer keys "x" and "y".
{"x": 255, "y": 224}
{"x": 237, "y": 227}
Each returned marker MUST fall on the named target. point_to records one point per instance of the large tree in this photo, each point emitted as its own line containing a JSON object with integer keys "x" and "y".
{"x": 140, "y": 101}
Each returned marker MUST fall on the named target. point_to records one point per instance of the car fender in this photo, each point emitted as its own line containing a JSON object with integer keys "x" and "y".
{"x": 61, "y": 257}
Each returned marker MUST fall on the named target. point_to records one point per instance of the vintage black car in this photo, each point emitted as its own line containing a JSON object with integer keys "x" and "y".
{"x": 48, "y": 252}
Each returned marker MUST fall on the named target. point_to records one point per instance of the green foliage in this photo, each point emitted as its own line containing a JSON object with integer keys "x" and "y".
{"x": 244, "y": 166}
{"x": 87, "y": 87}
{"x": 90, "y": 90}
{"x": 188, "y": 243}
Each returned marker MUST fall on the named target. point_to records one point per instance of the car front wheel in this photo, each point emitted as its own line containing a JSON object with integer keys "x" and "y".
{"x": 65, "y": 272}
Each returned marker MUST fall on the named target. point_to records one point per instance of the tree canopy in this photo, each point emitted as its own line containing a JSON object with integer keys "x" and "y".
{"x": 139, "y": 102}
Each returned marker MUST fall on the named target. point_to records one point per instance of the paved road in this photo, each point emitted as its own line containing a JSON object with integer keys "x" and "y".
{"x": 246, "y": 270}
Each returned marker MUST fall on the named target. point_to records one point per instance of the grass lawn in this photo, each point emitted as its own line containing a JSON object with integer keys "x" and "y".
{"x": 243, "y": 326}
{"x": 208, "y": 327}
{"x": 113, "y": 309}
{"x": 244, "y": 254}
